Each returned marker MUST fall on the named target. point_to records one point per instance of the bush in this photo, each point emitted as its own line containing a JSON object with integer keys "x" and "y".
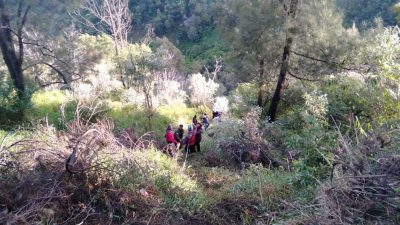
{"x": 266, "y": 186}
{"x": 46, "y": 107}
{"x": 243, "y": 99}
{"x": 350, "y": 98}
{"x": 202, "y": 91}
{"x": 156, "y": 170}
{"x": 11, "y": 107}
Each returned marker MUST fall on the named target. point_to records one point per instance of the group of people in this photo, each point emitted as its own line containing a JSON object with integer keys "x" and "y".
{"x": 192, "y": 139}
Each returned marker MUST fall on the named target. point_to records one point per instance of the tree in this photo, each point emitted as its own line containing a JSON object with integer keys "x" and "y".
{"x": 202, "y": 90}
{"x": 253, "y": 30}
{"x": 13, "y": 57}
{"x": 182, "y": 19}
{"x": 316, "y": 44}
{"x": 298, "y": 39}
{"x": 108, "y": 16}
{"x": 364, "y": 13}
{"x": 289, "y": 14}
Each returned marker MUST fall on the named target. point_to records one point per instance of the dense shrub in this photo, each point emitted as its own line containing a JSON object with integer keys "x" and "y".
{"x": 47, "y": 107}
{"x": 267, "y": 186}
{"x": 11, "y": 107}
{"x": 243, "y": 99}
{"x": 157, "y": 172}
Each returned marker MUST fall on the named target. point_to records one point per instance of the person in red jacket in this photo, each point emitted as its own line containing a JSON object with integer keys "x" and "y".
{"x": 169, "y": 135}
{"x": 190, "y": 140}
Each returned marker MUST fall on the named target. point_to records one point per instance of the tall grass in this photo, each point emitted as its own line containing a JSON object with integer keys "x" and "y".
{"x": 158, "y": 172}
{"x": 46, "y": 107}
{"x": 264, "y": 185}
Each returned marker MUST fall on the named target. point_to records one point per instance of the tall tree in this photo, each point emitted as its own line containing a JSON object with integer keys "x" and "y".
{"x": 13, "y": 57}
{"x": 299, "y": 39}
{"x": 252, "y": 28}
{"x": 289, "y": 14}
{"x": 316, "y": 44}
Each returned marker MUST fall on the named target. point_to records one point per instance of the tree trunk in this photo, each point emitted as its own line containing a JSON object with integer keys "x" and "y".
{"x": 261, "y": 84}
{"x": 281, "y": 81}
{"x": 12, "y": 60}
{"x": 290, "y": 13}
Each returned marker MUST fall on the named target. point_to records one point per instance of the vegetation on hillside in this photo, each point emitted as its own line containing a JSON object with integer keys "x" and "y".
{"x": 309, "y": 93}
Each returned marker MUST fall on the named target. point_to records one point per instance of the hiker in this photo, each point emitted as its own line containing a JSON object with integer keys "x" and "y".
{"x": 171, "y": 142}
{"x": 169, "y": 135}
{"x": 205, "y": 121}
{"x": 190, "y": 140}
{"x": 199, "y": 132}
{"x": 178, "y": 135}
{"x": 194, "y": 120}
{"x": 216, "y": 114}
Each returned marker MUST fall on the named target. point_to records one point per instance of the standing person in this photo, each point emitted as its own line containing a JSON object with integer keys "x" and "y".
{"x": 199, "y": 132}
{"x": 190, "y": 140}
{"x": 169, "y": 137}
{"x": 205, "y": 121}
{"x": 194, "y": 120}
{"x": 178, "y": 135}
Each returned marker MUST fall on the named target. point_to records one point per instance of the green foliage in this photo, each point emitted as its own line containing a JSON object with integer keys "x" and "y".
{"x": 11, "y": 107}
{"x": 309, "y": 141}
{"x": 186, "y": 19}
{"x": 127, "y": 115}
{"x": 173, "y": 186}
{"x": 243, "y": 98}
{"x": 314, "y": 144}
{"x": 201, "y": 52}
{"x": 47, "y": 107}
{"x": 253, "y": 31}
{"x": 180, "y": 113}
{"x": 363, "y": 13}
{"x": 268, "y": 187}
{"x": 103, "y": 44}
{"x": 351, "y": 98}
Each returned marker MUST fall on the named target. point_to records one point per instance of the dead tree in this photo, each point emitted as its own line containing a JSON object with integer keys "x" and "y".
{"x": 217, "y": 68}
{"x": 113, "y": 16}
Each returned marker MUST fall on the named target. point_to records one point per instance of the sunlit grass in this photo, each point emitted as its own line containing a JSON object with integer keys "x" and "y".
{"x": 266, "y": 186}
{"x": 46, "y": 106}
{"x": 172, "y": 184}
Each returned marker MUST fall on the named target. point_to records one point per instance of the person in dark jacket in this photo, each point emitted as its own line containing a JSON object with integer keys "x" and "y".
{"x": 216, "y": 114}
{"x": 199, "y": 132}
{"x": 205, "y": 121}
{"x": 178, "y": 135}
{"x": 194, "y": 120}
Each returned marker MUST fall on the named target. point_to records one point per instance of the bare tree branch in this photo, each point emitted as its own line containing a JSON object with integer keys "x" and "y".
{"x": 339, "y": 65}
{"x": 301, "y": 78}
